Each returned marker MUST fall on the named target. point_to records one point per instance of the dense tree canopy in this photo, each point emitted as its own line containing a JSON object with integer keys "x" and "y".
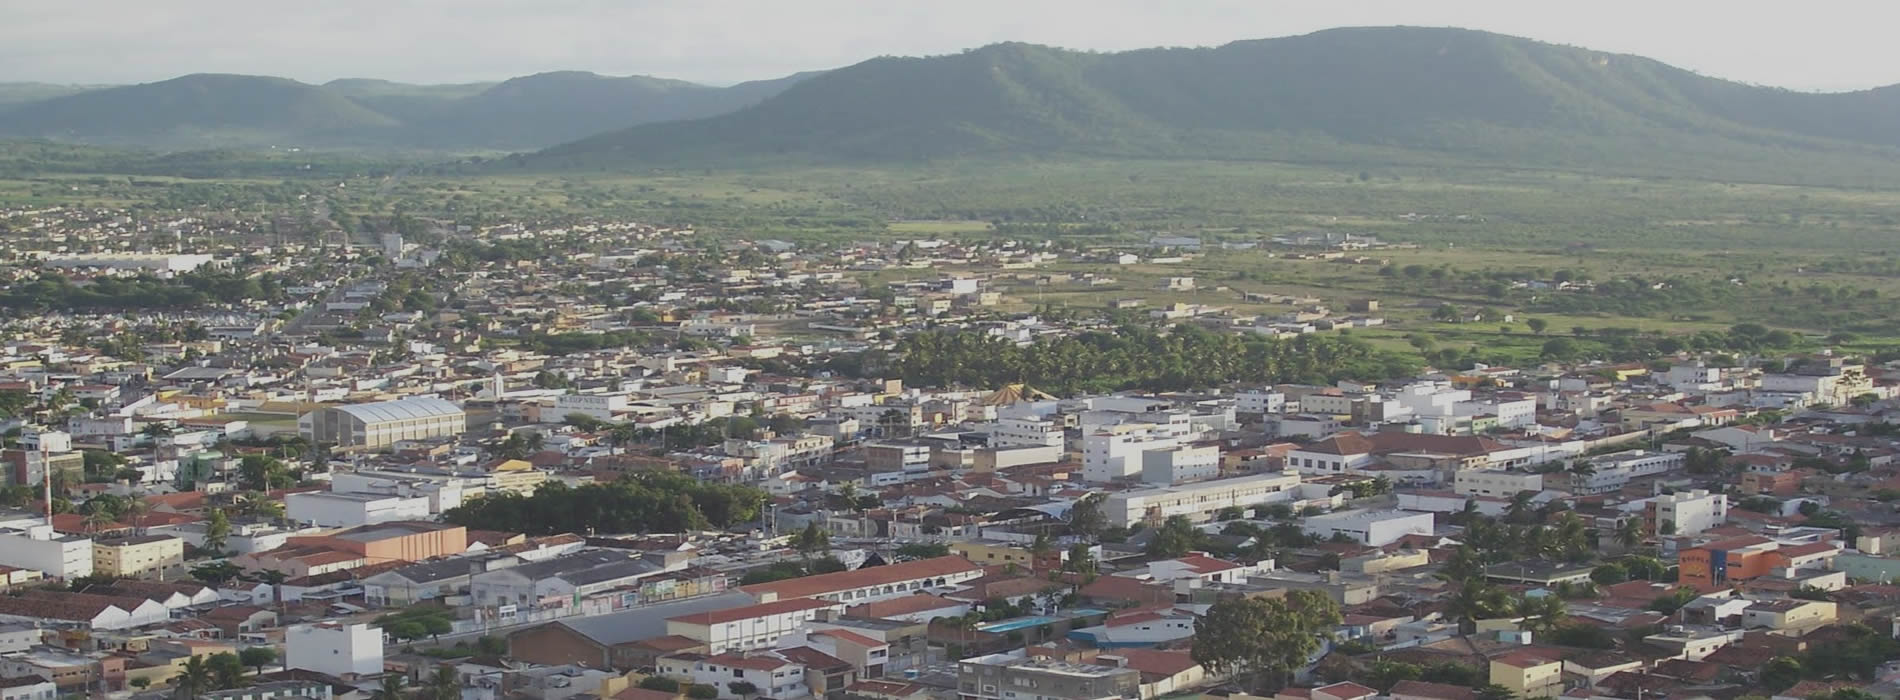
{"x": 1183, "y": 357}
{"x": 645, "y": 502}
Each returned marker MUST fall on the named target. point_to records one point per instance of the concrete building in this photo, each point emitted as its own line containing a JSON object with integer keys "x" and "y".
{"x": 153, "y": 262}
{"x": 330, "y": 509}
{"x": 1114, "y": 452}
{"x": 27, "y": 688}
{"x": 383, "y": 423}
{"x": 869, "y": 584}
{"x": 1026, "y": 432}
{"x": 1495, "y": 483}
{"x": 749, "y": 627}
{"x": 1371, "y": 527}
{"x": 1259, "y": 401}
{"x": 157, "y": 556}
{"x": 1528, "y": 674}
{"x": 558, "y": 582}
{"x": 1013, "y": 676}
{"x": 1200, "y": 500}
{"x": 344, "y": 651}
{"x": 1687, "y": 513}
{"x": 772, "y": 674}
{"x": 39, "y": 548}
{"x": 1178, "y": 465}
{"x": 1610, "y": 472}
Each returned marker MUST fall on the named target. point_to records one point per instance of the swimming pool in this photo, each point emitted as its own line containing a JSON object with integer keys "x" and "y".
{"x": 1025, "y": 622}
{"x": 1017, "y": 624}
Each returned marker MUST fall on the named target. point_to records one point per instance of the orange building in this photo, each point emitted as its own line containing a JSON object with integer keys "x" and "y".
{"x": 391, "y": 541}
{"x": 1734, "y": 559}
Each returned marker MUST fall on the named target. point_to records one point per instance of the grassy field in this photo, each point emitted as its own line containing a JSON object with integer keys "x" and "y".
{"x": 1814, "y": 259}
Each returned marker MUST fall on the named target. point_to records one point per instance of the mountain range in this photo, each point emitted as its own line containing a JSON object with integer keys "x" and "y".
{"x": 1385, "y": 93}
{"x": 221, "y": 111}
{"x": 1391, "y": 94}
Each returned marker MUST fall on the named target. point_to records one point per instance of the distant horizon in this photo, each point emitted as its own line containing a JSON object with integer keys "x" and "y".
{"x": 496, "y": 80}
{"x": 1824, "y": 46}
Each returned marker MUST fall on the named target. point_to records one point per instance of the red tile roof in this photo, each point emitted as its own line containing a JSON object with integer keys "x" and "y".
{"x": 779, "y": 607}
{"x": 823, "y": 584}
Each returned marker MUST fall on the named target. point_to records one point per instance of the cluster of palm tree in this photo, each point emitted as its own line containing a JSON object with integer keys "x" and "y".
{"x": 1549, "y": 531}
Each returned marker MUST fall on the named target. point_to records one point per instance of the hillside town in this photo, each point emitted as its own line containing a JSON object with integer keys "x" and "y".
{"x": 615, "y": 461}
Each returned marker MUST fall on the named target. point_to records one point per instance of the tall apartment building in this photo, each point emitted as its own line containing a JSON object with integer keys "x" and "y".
{"x": 1687, "y": 513}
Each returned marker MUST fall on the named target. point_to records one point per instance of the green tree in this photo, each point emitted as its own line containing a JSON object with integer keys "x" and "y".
{"x": 391, "y": 688}
{"x": 1261, "y": 640}
{"x": 257, "y": 657}
{"x": 1537, "y": 325}
{"x": 192, "y": 680}
{"x": 811, "y": 540}
{"x": 1781, "y": 673}
{"x": 444, "y": 684}
{"x": 742, "y": 688}
{"x": 1086, "y": 517}
{"x": 227, "y": 671}
{"x": 217, "y": 529}
{"x": 1176, "y": 537}
{"x": 216, "y": 573}
{"x": 702, "y": 692}
{"x": 660, "y": 683}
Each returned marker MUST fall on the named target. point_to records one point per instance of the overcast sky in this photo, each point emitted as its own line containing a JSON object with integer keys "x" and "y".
{"x": 1809, "y": 45}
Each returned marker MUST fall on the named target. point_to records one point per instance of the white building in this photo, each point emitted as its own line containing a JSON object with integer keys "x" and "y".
{"x": 27, "y": 688}
{"x": 1259, "y": 401}
{"x": 331, "y": 509}
{"x": 596, "y": 406}
{"x": 773, "y": 675}
{"x": 1510, "y": 412}
{"x": 39, "y": 548}
{"x": 383, "y": 423}
{"x": 1613, "y": 470}
{"x": 1496, "y": 483}
{"x": 1026, "y": 432}
{"x": 1376, "y": 528}
{"x": 1688, "y": 513}
{"x": 444, "y": 491}
{"x": 1201, "y": 500}
{"x": 1114, "y": 452}
{"x": 1181, "y": 464}
{"x": 749, "y": 627}
{"x": 127, "y": 261}
{"x": 870, "y": 583}
{"x": 344, "y": 651}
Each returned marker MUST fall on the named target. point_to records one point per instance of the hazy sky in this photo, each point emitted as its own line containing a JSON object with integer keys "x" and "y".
{"x": 1810, "y": 45}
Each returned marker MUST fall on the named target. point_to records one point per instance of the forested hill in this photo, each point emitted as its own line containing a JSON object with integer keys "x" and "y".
{"x": 1338, "y": 94}
{"x": 229, "y": 111}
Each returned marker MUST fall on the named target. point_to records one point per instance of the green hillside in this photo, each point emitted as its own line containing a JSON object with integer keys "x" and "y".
{"x": 222, "y": 111}
{"x": 1341, "y": 95}
{"x": 233, "y": 109}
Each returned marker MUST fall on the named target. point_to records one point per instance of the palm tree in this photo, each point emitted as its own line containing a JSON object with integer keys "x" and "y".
{"x": 1520, "y": 508}
{"x": 1629, "y": 533}
{"x": 444, "y": 684}
{"x": 193, "y": 679}
{"x": 391, "y": 689}
{"x": 1543, "y": 613}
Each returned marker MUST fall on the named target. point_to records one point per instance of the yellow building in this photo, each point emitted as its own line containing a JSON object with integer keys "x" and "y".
{"x": 138, "y": 556}
{"x": 992, "y": 553}
{"x": 1528, "y": 674}
{"x": 1789, "y": 613}
{"x": 515, "y": 475}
